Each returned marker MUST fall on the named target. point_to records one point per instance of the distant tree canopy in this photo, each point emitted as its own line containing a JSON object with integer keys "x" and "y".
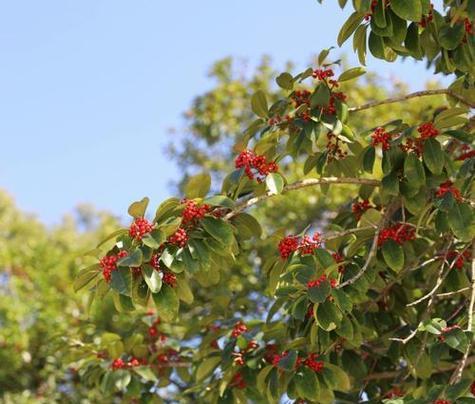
{"x": 320, "y": 250}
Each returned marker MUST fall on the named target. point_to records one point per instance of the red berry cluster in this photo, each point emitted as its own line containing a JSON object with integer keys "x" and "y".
{"x": 179, "y": 238}
{"x": 310, "y": 361}
{"x": 194, "y": 212}
{"x": 318, "y": 282}
{"x": 465, "y": 152}
{"x": 238, "y": 329}
{"x": 139, "y": 228}
{"x": 305, "y": 245}
{"x": 169, "y": 278}
{"x": 427, "y": 130}
{"x": 108, "y": 264}
{"x": 395, "y": 392}
{"x": 426, "y": 19}
{"x": 380, "y": 136}
{"x": 468, "y": 27}
{"x": 333, "y": 148}
{"x": 155, "y": 261}
{"x": 472, "y": 388}
{"x": 238, "y": 381}
{"x": 448, "y": 188}
{"x": 330, "y": 109}
{"x": 415, "y": 146}
{"x": 399, "y": 232}
{"x": 441, "y": 401}
{"x": 322, "y": 74}
{"x": 459, "y": 257}
{"x": 170, "y": 355}
{"x": 358, "y": 208}
{"x": 120, "y": 364}
{"x": 255, "y": 166}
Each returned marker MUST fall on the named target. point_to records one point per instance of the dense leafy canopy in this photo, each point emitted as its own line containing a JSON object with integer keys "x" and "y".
{"x": 321, "y": 251}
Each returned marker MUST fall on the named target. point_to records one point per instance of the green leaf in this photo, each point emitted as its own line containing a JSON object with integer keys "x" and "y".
{"x": 369, "y": 157}
{"x": 414, "y": 171}
{"x": 86, "y": 276}
{"x": 433, "y": 156}
{"x": 218, "y": 229}
{"x": 376, "y": 46}
{"x": 247, "y": 225}
{"x": 137, "y": 209}
{"x": 121, "y": 379}
{"x": 321, "y": 96}
{"x": 345, "y": 329}
{"x": 349, "y": 27}
{"x": 152, "y": 278}
{"x": 359, "y": 43}
{"x": 206, "y": 367}
{"x": 146, "y": 373}
{"x": 259, "y": 104}
{"x": 114, "y": 234}
{"x": 460, "y": 218}
{"x": 274, "y": 183}
{"x": 167, "y": 303}
{"x": 407, "y": 9}
{"x": 342, "y": 300}
{"x": 328, "y": 316}
{"x": 390, "y": 184}
{"x": 197, "y": 186}
{"x": 339, "y": 379}
{"x": 450, "y": 37}
{"x": 134, "y": 259}
{"x": 166, "y": 209}
{"x": 121, "y": 281}
{"x": 307, "y": 383}
{"x": 219, "y": 200}
{"x": 393, "y": 255}
{"x": 319, "y": 294}
{"x": 285, "y": 81}
{"x": 324, "y": 258}
{"x": 150, "y": 241}
{"x": 183, "y": 290}
{"x": 352, "y": 73}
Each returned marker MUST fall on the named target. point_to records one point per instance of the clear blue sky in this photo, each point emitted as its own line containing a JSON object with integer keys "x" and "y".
{"x": 89, "y": 88}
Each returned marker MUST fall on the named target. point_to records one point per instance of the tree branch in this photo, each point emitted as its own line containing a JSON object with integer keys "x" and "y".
{"x": 309, "y": 182}
{"x": 374, "y": 246}
{"x": 425, "y": 93}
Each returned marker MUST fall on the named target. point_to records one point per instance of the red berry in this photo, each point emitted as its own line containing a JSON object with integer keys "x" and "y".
{"x": 169, "y": 278}
{"x": 238, "y": 381}
{"x": 139, "y": 228}
{"x": 118, "y": 364}
{"x": 381, "y": 137}
{"x": 255, "y": 166}
{"x": 179, "y": 238}
{"x": 400, "y": 233}
{"x": 447, "y": 187}
{"x": 238, "y": 329}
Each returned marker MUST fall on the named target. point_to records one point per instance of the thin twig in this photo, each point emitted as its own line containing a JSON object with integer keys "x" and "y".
{"x": 447, "y": 294}
{"x": 372, "y": 251}
{"x": 425, "y": 93}
{"x": 309, "y": 182}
